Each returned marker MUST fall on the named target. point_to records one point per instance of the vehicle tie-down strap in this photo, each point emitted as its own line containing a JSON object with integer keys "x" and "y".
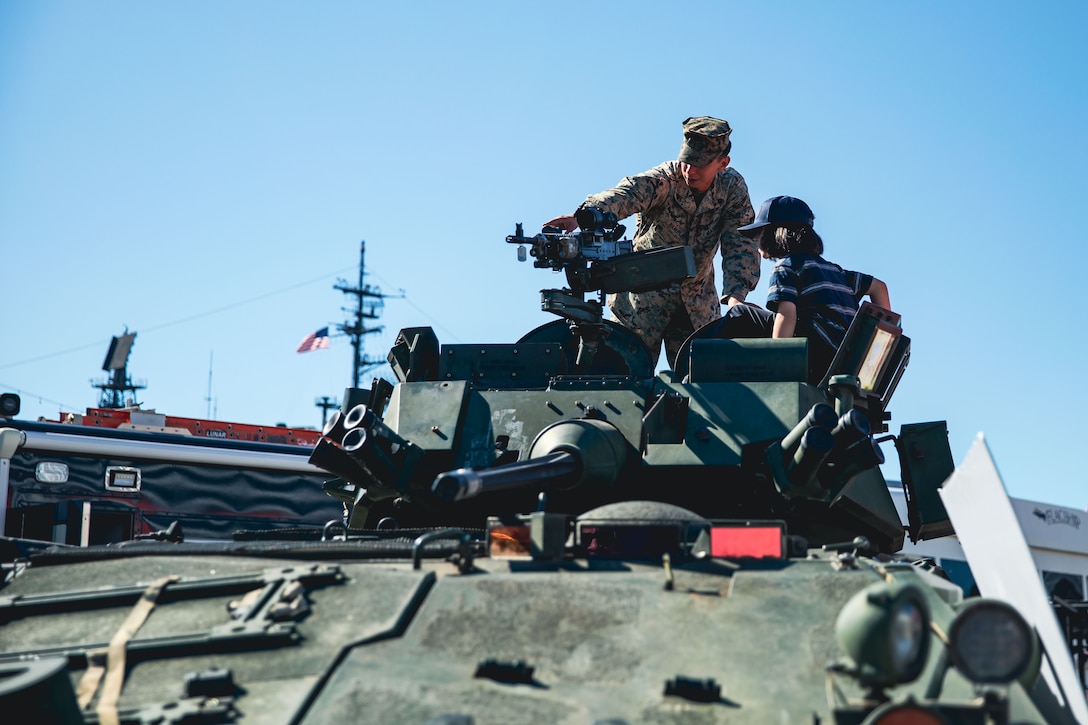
{"x": 111, "y": 661}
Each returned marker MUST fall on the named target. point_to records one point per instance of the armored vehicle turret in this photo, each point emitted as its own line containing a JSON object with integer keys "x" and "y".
{"x": 572, "y": 416}
{"x": 548, "y": 530}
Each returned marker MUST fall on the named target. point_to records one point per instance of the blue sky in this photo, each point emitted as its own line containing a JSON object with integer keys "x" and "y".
{"x": 203, "y": 173}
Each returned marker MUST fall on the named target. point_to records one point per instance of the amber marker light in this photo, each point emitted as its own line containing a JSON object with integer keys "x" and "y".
{"x": 508, "y": 540}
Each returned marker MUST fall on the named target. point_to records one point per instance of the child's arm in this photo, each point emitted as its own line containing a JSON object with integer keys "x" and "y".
{"x": 878, "y": 293}
{"x": 785, "y": 319}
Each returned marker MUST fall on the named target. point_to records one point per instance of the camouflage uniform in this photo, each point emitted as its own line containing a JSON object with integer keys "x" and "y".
{"x": 668, "y": 214}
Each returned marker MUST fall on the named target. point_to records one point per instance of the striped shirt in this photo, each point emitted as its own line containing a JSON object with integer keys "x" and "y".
{"x": 826, "y": 295}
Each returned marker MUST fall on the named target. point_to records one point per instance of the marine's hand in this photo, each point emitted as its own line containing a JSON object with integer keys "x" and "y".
{"x": 730, "y": 300}
{"x": 566, "y": 223}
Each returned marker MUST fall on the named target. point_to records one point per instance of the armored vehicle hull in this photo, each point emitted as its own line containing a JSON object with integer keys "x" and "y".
{"x": 508, "y": 641}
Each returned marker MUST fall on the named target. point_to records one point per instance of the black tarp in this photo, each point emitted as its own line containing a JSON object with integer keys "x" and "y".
{"x": 209, "y": 500}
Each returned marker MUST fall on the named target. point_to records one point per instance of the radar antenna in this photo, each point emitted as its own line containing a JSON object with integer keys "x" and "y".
{"x": 118, "y": 391}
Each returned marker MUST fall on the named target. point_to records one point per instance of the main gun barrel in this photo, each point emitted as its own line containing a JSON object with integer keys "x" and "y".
{"x": 565, "y": 455}
{"x": 551, "y": 471}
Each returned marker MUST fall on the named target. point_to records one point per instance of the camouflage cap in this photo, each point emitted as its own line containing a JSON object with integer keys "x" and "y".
{"x": 705, "y": 139}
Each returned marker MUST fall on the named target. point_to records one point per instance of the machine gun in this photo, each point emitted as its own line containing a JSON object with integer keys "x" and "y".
{"x": 597, "y": 259}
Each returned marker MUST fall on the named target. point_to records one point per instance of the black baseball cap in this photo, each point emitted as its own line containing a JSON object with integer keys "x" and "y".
{"x": 779, "y": 210}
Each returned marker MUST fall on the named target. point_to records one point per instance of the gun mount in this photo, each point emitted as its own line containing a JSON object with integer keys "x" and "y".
{"x": 597, "y": 259}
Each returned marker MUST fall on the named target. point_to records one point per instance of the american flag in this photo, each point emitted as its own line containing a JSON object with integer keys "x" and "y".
{"x": 315, "y": 341}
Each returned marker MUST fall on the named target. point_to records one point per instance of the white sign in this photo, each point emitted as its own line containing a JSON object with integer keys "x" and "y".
{"x": 1001, "y": 563}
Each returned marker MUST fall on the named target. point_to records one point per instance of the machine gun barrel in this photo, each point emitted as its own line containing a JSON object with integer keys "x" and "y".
{"x": 548, "y": 471}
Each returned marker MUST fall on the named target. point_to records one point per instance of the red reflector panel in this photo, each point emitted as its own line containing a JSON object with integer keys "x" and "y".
{"x": 735, "y": 542}
{"x": 906, "y": 715}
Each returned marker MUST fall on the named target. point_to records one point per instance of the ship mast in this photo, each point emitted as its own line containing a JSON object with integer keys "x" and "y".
{"x": 369, "y": 300}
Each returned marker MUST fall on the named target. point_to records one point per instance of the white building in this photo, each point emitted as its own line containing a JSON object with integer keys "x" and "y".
{"x": 1056, "y": 535}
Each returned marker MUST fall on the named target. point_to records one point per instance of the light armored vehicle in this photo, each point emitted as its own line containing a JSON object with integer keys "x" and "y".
{"x": 547, "y": 531}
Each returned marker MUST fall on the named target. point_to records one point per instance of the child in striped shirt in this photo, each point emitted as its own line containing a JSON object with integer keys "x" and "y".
{"x": 808, "y": 296}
